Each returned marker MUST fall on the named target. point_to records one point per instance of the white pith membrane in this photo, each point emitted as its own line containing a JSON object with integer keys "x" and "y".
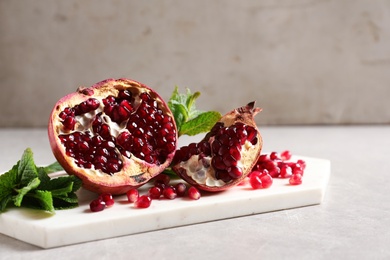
{"x": 202, "y": 172}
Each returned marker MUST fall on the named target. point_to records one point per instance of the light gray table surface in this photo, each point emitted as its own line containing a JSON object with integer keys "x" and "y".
{"x": 353, "y": 222}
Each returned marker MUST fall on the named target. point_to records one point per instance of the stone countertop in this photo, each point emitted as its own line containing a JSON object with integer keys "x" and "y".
{"x": 352, "y": 222}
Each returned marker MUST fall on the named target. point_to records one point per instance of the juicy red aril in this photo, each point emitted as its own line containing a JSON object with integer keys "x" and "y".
{"x": 193, "y": 193}
{"x": 285, "y": 155}
{"x": 154, "y": 192}
{"x": 143, "y": 201}
{"x": 132, "y": 195}
{"x": 285, "y": 171}
{"x": 181, "y": 189}
{"x": 143, "y": 126}
{"x": 97, "y": 205}
{"x": 255, "y": 181}
{"x": 266, "y": 180}
{"x": 169, "y": 193}
{"x": 107, "y": 198}
{"x": 296, "y": 179}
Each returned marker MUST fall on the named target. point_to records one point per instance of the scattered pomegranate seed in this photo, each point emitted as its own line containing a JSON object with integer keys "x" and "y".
{"x": 285, "y": 171}
{"x": 266, "y": 180}
{"x": 285, "y": 155}
{"x": 181, "y": 189}
{"x": 193, "y": 193}
{"x": 255, "y": 180}
{"x": 154, "y": 192}
{"x": 97, "y": 205}
{"x": 296, "y": 179}
{"x": 132, "y": 195}
{"x": 143, "y": 202}
{"x": 107, "y": 198}
{"x": 170, "y": 193}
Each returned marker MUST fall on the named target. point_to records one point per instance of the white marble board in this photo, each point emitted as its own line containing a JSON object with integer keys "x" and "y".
{"x": 79, "y": 225}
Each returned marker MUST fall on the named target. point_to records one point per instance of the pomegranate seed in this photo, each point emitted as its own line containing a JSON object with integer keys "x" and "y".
{"x": 97, "y": 205}
{"x": 169, "y": 193}
{"x": 235, "y": 172}
{"x": 132, "y": 195}
{"x": 69, "y": 123}
{"x": 255, "y": 180}
{"x": 297, "y": 169}
{"x": 266, "y": 180}
{"x": 143, "y": 201}
{"x": 285, "y": 155}
{"x": 193, "y": 193}
{"x": 154, "y": 192}
{"x": 162, "y": 179}
{"x": 274, "y": 156}
{"x": 181, "y": 189}
{"x": 285, "y": 171}
{"x": 302, "y": 163}
{"x": 107, "y": 198}
{"x": 296, "y": 179}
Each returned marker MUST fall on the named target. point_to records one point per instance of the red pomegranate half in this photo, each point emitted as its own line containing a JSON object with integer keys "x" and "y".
{"x": 114, "y": 135}
{"x": 226, "y": 155}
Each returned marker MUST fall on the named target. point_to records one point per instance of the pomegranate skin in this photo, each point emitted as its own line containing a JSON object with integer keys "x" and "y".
{"x": 134, "y": 171}
{"x": 249, "y": 153}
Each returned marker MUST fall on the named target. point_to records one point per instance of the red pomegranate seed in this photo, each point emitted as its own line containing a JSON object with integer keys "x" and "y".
{"x": 69, "y": 123}
{"x": 143, "y": 201}
{"x": 266, "y": 180}
{"x": 107, "y": 198}
{"x": 193, "y": 193}
{"x": 169, "y": 193}
{"x": 181, "y": 189}
{"x": 296, "y": 179}
{"x": 285, "y": 155}
{"x": 297, "y": 169}
{"x": 154, "y": 192}
{"x": 132, "y": 195}
{"x": 302, "y": 163}
{"x": 162, "y": 179}
{"x": 285, "y": 171}
{"x": 97, "y": 205}
{"x": 274, "y": 156}
{"x": 255, "y": 180}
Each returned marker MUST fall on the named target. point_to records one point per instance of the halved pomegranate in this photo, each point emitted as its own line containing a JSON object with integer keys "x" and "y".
{"x": 115, "y": 135}
{"x": 225, "y": 156}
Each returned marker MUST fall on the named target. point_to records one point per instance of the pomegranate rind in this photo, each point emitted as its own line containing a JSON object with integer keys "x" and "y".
{"x": 135, "y": 172}
{"x": 249, "y": 153}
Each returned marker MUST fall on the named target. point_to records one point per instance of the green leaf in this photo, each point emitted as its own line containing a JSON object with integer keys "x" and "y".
{"x": 54, "y": 167}
{"x": 202, "y": 123}
{"x": 8, "y": 181}
{"x": 5, "y": 201}
{"x": 27, "y": 185}
{"x": 27, "y": 169}
{"x": 189, "y": 120}
{"x": 39, "y": 199}
{"x": 33, "y": 184}
{"x": 65, "y": 202}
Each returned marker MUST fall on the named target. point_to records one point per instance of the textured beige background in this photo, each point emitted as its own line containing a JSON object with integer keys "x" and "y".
{"x": 304, "y": 61}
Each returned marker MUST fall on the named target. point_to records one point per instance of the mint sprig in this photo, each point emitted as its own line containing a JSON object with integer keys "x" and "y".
{"x": 189, "y": 120}
{"x": 27, "y": 185}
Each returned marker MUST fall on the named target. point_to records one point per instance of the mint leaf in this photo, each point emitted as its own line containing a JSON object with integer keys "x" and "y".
{"x": 65, "y": 202}
{"x": 27, "y": 169}
{"x": 189, "y": 120}
{"x": 33, "y": 184}
{"x": 54, "y": 167}
{"x": 27, "y": 185}
{"x": 39, "y": 199}
{"x": 202, "y": 123}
